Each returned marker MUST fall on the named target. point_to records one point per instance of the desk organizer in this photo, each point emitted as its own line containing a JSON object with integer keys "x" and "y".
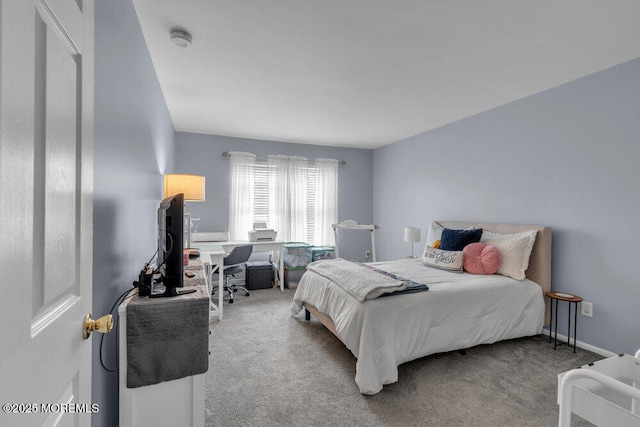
{"x": 605, "y": 393}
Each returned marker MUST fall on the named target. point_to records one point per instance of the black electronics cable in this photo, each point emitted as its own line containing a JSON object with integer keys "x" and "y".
{"x": 117, "y": 302}
{"x": 153, "y": 256}
{"x": 171, "y": 243}
{"x": 149, "y": 262}
{"x": 158, "y": 268}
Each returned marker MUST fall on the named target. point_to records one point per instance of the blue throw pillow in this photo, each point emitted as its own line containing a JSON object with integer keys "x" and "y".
{"x": 456, "y": 240}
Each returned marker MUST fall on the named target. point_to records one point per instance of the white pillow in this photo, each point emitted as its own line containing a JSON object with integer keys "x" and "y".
{"x": 434, "y": 233}
{"x": 515, "y": 251}
{"x": 445, "y": 260}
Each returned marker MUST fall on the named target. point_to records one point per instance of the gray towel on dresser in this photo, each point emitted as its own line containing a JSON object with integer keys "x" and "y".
{"x": 168, "y": 338}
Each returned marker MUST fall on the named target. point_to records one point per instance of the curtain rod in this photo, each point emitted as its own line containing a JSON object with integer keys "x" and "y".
{"x": 226, "y": 154}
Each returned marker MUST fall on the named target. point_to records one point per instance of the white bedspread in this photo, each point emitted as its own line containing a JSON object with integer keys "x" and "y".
{"x": 359, "y": 281}
{"x": 459, "y": 310}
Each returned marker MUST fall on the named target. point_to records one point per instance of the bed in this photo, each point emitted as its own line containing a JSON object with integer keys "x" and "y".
{"x": 458, "y": 311}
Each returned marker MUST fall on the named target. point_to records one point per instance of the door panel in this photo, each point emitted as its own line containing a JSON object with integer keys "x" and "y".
{"x": 46, "y": 137}
{"x": 58, "y": 146}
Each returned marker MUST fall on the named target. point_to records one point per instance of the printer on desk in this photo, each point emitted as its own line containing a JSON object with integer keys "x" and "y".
{"x": 261, "y": 233}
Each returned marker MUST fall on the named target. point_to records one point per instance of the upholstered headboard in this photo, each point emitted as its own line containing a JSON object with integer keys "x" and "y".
{"x": 539, "y": 269}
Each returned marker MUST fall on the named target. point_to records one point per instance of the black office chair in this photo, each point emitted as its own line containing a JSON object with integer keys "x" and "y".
{"x": 232, "y": 266}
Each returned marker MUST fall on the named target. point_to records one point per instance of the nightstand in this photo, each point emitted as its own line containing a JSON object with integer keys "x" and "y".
{"x": 561, "y": 296}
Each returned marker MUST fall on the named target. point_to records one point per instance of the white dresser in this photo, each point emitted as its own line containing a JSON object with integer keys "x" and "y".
{"x": 177, "y": 402}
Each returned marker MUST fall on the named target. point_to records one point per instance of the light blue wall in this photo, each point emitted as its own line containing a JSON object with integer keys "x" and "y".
{"x": 202, "y": 155}
{"x": 568, "y": 158}
{"x": 134, "y": 145}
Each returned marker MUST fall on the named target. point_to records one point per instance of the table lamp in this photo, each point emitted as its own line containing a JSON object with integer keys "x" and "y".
{"x": 193, "y": 188}
{"x": 411, "y": 234}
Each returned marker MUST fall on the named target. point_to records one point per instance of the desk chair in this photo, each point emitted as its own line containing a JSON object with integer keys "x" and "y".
{"x": 231, "y": 263}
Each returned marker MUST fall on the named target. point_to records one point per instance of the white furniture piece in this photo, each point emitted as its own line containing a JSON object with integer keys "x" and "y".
{"x": 177, "y": 402}
{"x": 353, "y": 225}
{"x": 212, "y": 256}
{"x": 605, "y": 393}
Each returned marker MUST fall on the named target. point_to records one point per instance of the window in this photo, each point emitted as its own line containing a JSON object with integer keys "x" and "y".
{"x": 296, "y": 198}
{"x": 261, "y": 194}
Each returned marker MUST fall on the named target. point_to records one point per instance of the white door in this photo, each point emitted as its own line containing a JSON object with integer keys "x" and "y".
{"x": 46, "y": 140}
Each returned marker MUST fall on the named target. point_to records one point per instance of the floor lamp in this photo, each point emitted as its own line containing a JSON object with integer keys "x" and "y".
{"x": 193, "y": 188}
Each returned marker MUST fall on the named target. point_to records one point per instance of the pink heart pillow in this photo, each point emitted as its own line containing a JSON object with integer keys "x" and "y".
{"x": 480, "y": 258}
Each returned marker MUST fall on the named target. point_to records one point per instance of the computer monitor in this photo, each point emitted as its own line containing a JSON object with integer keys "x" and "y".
{"x": 171, "y": 246}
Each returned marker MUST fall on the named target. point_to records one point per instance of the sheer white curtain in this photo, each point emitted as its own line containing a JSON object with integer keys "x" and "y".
{"x": 278, "y": 200}
{"x": 298, "y": 196}
{"x": 288, "y": 197}
{"x": 326, "y": 206}
{"x": 241, "y": 209}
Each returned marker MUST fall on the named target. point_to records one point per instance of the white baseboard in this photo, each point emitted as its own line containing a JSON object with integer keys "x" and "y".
{"x": 583, "y": 345}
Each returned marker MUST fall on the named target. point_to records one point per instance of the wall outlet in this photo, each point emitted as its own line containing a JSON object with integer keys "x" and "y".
{"x": 586, "y": 309}
{"x": 367, "y": 254}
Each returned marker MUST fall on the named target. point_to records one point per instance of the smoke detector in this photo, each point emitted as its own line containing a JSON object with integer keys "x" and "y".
{"x": 180, "y": 37}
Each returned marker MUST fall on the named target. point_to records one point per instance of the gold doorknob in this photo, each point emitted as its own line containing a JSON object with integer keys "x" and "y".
{"x": 103, "y": 325}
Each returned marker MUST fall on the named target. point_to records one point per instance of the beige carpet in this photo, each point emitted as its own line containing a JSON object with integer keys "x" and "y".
{"x": 270, "y": 369}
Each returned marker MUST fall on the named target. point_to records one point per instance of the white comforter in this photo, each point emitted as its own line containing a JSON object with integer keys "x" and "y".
{"x": 459, "y": 310}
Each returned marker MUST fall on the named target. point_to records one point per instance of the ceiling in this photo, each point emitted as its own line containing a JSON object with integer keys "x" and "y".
{"x": 366, "y": 73}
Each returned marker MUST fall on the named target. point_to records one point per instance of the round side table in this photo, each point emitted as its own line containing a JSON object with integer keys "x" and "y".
{"x": 570, "y": 298}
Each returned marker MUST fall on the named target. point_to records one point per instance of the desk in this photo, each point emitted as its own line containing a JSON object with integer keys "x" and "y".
{"x": 212, "y": 255}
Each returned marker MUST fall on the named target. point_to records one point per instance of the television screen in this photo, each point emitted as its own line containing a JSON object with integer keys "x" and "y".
{"x": 171, "y": 246}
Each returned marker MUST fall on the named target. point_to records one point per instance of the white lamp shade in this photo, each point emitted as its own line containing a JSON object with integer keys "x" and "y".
{"x": 411, "y": 234}
{"x": 192, "y": 186}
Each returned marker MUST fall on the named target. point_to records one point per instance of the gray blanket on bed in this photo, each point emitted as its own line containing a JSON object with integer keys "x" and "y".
{"x": 359, "y": 281}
